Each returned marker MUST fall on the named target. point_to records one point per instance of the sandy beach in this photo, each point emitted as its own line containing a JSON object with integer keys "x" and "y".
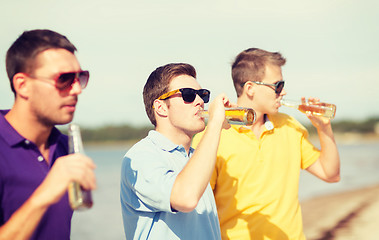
{"x": 347, "y": 215}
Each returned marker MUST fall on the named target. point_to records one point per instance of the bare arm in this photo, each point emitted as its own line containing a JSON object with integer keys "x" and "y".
{"x": 192, "y": 181}
{"x": 327, "y": 167}
{"x": 69, "y": 168}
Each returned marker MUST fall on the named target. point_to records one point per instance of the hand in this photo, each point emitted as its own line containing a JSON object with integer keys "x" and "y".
{"x": 73, "y": 167}
{"x": 318, "y": 122}
{"x": 217, "y": 109}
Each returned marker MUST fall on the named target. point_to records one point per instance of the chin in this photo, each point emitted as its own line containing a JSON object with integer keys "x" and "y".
{"x": 199, "y": 128}
{"x": 63, "y": 121}
{"x": 274, "y": 111}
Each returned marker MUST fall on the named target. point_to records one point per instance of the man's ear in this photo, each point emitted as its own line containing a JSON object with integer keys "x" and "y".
{"x": 249, "y": 89}
{"x": 21, "y": 85}
{"x": 160, "y": 108}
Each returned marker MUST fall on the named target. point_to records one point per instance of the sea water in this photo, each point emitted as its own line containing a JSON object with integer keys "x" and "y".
{"x": 104, "y": 219}
{"x": 359, "y": 168}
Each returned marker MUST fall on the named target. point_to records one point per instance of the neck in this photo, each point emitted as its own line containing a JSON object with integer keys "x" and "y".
{"x": 177, "y": 137}
{"x": 248, "y": 103}
{"x": 257, "y": 127}
{"x": 28, "y": 126}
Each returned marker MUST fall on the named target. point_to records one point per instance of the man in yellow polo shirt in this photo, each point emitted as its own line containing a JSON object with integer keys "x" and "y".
{"x": 256, "y": 176}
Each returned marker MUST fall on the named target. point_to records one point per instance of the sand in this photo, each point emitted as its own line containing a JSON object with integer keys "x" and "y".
{"x": 347, "y": 215}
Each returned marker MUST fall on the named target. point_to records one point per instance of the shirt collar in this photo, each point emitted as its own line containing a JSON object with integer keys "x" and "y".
{"x": 268, "y": 124}
{"x": 12, "y": 137}
{"x": 8, "y": 133}
{"x": 164, "y": 143}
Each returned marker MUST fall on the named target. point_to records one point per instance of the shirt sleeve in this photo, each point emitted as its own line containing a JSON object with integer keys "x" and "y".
{"x": 147, "y": 180}
{"x": 309, "y": 153}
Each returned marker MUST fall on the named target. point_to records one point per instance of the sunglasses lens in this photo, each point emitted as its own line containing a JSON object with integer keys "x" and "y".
{"x": 188, "y": 94}
{"x": 279, "y": 87}
{"x": 65, "y": 80}
{"x": 83, "y": 79}
{"x": 204, "y": 94}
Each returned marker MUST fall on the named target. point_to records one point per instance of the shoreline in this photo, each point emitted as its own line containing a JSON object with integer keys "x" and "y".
{"x": 350, "y": 138}
{"x": 347, "y": 215}
{"x": 341, "y": 138}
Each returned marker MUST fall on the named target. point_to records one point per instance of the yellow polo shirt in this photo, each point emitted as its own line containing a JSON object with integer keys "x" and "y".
{"x": 256, "y": 181}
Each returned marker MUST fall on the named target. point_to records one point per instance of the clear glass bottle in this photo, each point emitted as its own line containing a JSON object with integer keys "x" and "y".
{"x": 79, "y": 198}
{"x": 327, "y": 110}
{"x": 238, "y": 116}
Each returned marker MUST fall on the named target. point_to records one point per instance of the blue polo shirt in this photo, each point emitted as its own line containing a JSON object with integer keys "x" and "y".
{"x": 149, "y": 170}
{"x": 22, "y": 170}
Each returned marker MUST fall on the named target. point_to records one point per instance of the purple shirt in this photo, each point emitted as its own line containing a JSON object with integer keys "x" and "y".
{"x": 22, "y": 170}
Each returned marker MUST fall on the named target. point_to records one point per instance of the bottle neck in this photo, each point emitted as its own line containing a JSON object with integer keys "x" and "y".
{"x": 290, "y": 103}
{"x": 75, "y": 139}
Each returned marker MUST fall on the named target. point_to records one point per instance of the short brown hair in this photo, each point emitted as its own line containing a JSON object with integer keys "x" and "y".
{"x": 250, "y": 65}
{"x": 159, "y": 81}
{"x": 21, "y": 55}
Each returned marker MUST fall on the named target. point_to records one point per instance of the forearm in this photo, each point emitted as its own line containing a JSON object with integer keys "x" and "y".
{"x": 329, "y": 157}
{"x": 192, "y": 181}
{"x": 24, "y": 221}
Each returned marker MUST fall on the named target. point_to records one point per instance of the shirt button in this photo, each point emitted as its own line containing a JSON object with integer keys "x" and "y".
{"x": 27, "y": 142}
{"x": 40, "y": 158}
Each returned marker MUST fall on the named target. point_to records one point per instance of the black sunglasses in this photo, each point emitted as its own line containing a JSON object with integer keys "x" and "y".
{"x": 278, "y": 85}
{"x": 65, "y": 80}
{"x": 188, "y": 94}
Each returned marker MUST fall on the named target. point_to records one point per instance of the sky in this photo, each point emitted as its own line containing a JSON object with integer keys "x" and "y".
{"x": 331, "y": 47}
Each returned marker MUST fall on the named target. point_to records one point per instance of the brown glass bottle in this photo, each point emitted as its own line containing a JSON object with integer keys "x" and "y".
{"x": 237, "y": 116}
{"x": 327, "y": 110}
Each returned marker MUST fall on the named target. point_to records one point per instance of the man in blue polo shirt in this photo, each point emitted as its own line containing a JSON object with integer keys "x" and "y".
{"x": 165, "y": 191}
{"x": 35, "y": 170}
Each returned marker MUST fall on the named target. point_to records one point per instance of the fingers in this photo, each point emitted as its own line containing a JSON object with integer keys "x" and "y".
{"x": 66, "y": 169}
{"x": 226, "y": 101}
{"x": 217, "y": 110}
{"x": 226, "y": 124}
{"x": 233, "y": 105}
{"x": 318, "y": 121}
{"x": 81, "y": 169}
{"x": 311, "y": 100}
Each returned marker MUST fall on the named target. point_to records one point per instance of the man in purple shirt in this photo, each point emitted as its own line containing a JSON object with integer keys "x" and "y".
{"x": 35, "y": 169}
